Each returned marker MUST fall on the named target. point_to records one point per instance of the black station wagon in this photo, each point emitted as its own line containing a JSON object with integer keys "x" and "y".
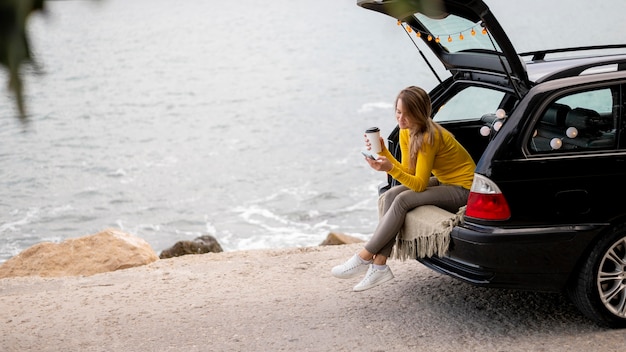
{"x": 546, "y": 210}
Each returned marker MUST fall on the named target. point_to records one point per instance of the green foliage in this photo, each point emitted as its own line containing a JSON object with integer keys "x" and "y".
{"x": 14, "y": 47}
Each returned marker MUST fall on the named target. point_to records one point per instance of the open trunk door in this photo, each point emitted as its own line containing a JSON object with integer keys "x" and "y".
{"x": 463, "y": 34}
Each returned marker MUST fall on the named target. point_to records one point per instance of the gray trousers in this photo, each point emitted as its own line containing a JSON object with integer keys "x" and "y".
{"x": 399, "y": 200}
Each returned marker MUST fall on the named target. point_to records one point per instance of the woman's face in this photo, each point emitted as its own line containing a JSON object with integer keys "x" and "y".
{"x": 403, "y": 120}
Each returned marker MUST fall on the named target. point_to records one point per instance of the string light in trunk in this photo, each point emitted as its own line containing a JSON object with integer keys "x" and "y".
{"x": 450, "y": 36}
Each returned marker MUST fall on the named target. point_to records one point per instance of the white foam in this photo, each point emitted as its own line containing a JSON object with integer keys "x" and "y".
{"x": 369, "y": 107}
{"x": 26, "y": 219}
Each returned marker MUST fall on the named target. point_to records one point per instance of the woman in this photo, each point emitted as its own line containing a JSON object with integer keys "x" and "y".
{"x": 427, "y": 150}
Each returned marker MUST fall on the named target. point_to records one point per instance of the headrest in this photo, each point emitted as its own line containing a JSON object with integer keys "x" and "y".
{"x": 555, "y": 114}
{"x": 581, "y": 118}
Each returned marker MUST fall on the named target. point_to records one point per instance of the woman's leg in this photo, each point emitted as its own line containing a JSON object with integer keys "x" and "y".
{"x": 360, "y": 262}
{"x": 385, "y": 200}
{"x": 450, "y": 198}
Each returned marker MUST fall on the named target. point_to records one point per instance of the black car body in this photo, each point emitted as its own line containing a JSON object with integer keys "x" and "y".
{"x": 546, "y": 130}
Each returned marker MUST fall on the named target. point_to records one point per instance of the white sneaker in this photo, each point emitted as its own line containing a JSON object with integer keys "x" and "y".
{"x": 373, "y": 278}
{"x": 351, "y": 268}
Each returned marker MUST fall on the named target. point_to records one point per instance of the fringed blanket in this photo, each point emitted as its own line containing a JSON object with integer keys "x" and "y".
{"x": 426, "y": 232}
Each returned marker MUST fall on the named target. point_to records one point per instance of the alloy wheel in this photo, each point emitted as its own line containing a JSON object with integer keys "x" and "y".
{"x": 611, "y": 279}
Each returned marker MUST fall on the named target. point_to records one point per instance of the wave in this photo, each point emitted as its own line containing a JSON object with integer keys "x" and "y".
{"x": 369, "y": 107}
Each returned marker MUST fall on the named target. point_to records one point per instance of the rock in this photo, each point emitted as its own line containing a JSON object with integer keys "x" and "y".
{"x": 108, "y": 250}
{"x": 335, "y": 238}
{"x": 202, "y": 244}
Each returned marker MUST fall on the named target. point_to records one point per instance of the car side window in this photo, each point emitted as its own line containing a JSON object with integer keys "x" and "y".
{"x": 470, "y": 103}
{"x": 582, "y": 121}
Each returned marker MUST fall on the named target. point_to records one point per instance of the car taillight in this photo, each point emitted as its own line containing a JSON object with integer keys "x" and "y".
{"x": 486, "y": 201}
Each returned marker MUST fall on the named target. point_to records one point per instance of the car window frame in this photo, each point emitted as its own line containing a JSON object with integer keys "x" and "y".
{"x": 571, "y": 89}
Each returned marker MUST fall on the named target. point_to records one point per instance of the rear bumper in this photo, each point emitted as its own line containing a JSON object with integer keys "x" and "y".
{"x": 533, "y": 258}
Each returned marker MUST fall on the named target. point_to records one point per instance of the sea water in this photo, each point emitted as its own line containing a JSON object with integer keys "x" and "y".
{"x": 170, "y": 120}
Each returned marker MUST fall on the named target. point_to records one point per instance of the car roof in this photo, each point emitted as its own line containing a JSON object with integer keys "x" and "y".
{"x": 541, "y": 68}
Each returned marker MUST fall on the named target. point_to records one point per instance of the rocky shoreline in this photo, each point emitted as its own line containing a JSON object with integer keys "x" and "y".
{"x": 110, "y": 250}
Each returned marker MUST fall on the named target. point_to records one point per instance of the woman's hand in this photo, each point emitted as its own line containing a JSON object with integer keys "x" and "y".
{"x": 380, "y": 164}
{"x": 368, "y": 144}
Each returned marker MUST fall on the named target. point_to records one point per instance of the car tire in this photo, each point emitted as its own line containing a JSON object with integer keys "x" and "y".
{"x": 599, "y": 291}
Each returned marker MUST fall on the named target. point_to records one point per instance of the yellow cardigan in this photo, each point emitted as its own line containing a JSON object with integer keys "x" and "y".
{"x": 445, "y": 158}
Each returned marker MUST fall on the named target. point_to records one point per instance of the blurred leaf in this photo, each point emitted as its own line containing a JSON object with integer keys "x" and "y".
{"x": 14, "y": 47}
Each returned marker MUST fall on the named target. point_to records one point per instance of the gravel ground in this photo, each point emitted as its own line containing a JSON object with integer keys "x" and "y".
{"x": 284, "y": 300}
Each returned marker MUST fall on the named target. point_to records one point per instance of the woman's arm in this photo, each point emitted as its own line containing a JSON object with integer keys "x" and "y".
{"x": 404, "y": 150}
{"x": 418, "y": 178}
{"x": 423, "y": 170}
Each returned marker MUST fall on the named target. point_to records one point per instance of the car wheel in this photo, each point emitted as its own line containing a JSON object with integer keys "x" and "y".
{"x": 600, "y": 289}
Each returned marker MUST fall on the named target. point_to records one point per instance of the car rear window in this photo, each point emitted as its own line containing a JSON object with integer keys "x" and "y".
{"x": 470, "y": 103}
{"x": 458, "y": 34}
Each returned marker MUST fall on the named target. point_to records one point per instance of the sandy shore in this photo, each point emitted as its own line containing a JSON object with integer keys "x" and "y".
{"x": 283, "y": 300}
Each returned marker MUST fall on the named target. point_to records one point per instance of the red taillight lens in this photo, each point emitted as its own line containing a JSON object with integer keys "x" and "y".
{"x": 486, "y": 201}
{"x": 487, "y": 206}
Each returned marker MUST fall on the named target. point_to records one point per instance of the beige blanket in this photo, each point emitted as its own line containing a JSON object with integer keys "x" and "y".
{"x": 426, "y": 232}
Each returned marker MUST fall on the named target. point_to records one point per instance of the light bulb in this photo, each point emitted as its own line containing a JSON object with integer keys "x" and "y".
{"x": 500, "y": 113}
{"x": 484, "y": 31}
{"x": 449, "y": 39}
{"x": 430, "y": 37}
{"x": 485, "y": 131}
{"x": 461, "y": 37}
{"x": 408, "y": 29}
{"x": 399, "y": 22}
{"x": 418, "y": 34}
{"x": 437, "y": 40}
{"x": 497, "y": 125}
{"x": 556, "y": 143}
{"x": 473, "y": 32}
{"x": 571, "y": 132}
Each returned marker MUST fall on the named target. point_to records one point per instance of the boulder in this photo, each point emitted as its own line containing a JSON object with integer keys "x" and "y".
{"x": 202, "y": 244}
{"x": 108, "y": 250}
{"x": 335, "y": 238}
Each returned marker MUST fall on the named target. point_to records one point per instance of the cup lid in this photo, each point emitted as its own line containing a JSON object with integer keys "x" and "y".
{"x": 372, "y": 130}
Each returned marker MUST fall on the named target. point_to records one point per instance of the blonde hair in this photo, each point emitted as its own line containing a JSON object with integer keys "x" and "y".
{"x": 416, "y": 106}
